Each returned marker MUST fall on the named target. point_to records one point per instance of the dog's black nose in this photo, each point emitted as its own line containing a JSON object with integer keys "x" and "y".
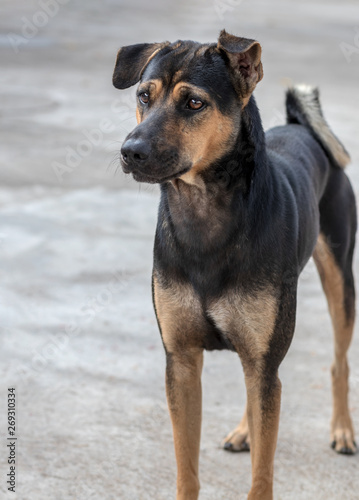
{"x": 135, "y": 151}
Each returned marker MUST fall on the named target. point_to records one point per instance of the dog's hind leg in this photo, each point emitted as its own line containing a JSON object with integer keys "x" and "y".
{"x": 333, "y": 256}
{"x": 238, "y": 439}
{"x": 337, "y": 280}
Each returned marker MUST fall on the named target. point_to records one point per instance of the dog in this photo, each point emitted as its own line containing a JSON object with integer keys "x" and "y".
{"x": 241, "y": 213}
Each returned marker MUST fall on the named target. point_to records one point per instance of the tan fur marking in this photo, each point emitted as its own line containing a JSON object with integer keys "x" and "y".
{"x": 184, "y": 396}
{"x": 201, "y": 51}
{"x": 182, "y": 86}
{"x": 332, "y": 280}
{"x": 162, "y": 45}
{"x": 180, "y": 315}
{"x": 177, "y": 45}
{"x": 211, "y": 137}
{"x": 245, "y": 101}
{"x": 263, "y": 431}
{"x": 156, "y": 88}
{"x": 342, "y": 433}
{"x": 247, "y": 320}
{"x": 209, "y": 142}
{"x": 177, "y": 76}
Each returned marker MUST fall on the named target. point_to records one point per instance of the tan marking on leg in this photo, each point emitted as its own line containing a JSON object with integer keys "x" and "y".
{"x": 184, "y": 396}
{"x": 342, "y": 433}
{"x": 263, "y": 431}
{"x": 238, "y": 439}
{"x": 181, "y": 321}
{"x": 247, "y": 320}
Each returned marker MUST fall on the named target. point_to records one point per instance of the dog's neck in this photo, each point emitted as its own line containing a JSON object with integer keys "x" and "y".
{"x": 207, "y": 213}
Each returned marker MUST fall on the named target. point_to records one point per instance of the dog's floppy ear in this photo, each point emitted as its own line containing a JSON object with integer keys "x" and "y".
{"x": 244, "y": 59}
{"x": 131, "y": 61}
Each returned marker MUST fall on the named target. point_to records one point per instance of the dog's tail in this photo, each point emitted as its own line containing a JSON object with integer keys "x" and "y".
{"x": 303, "y": 107}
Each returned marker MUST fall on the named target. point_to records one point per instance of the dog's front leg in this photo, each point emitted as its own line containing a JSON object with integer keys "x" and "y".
{"x": 263, "y": 399}
{"x": 184, "y": 396}
{"x": 181, "y": 322}
{"x": 260, "y": 326}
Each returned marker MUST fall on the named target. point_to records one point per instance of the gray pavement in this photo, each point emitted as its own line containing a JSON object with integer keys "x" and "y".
{"x": 78, "y": 335}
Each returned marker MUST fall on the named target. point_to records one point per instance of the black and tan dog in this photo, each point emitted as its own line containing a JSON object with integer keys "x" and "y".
{"x": 241, "y": 213}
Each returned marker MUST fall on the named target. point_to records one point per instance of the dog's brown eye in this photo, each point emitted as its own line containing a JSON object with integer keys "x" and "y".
{"x": 144, "y": 97}
{"x": 195, "y": 104}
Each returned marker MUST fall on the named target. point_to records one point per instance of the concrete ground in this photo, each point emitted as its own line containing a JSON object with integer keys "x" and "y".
{"x": 78, "y": 336}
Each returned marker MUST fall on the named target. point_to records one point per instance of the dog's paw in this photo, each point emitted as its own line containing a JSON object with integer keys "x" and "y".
{"x": 237, "y": 440}
{"x": 343, "y": 441}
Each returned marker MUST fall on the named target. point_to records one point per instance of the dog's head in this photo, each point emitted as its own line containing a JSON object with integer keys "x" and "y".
{"x": 189, "y": 102}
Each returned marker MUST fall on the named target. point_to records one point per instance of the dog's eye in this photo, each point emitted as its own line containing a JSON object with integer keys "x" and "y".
{"x": 195, "y": 104}
{"x": 144, "y": 97}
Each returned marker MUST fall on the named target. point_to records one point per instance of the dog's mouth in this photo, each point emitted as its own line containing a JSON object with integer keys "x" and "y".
{"x": 141, "y": 177}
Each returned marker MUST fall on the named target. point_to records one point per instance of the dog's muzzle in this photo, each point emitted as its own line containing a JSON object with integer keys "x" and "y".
{"x": 147, "y": 165}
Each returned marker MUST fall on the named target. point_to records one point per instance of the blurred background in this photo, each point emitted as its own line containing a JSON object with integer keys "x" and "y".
{"x": 78, "y": 337}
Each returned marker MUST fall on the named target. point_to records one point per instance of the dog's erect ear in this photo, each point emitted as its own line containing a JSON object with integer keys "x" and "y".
{"x": 131, "y": 62}
{"x": 244, "y": 56}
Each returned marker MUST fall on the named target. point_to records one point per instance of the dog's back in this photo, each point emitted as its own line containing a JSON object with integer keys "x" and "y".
{"x": 308, "y": 160}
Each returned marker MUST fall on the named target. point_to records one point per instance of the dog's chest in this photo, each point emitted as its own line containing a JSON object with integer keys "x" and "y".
{"x": 236, "y": 320}
{"x": 247, "y": 320}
